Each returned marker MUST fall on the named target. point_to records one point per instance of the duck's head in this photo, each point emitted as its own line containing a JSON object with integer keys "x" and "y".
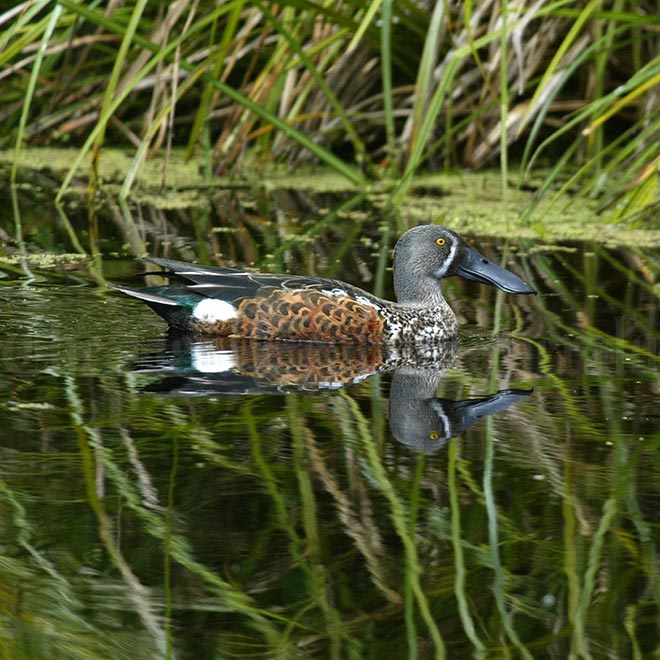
{"x": 427, "y": 254}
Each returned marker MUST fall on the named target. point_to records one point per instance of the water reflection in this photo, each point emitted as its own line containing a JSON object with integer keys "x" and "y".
{"x": 225, "y": 367}
{"x": 424, "y": 422}
{"x": 140, "y": 525}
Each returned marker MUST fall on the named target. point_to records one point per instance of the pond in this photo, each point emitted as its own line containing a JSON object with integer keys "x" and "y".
{"x": 169, "y": 498}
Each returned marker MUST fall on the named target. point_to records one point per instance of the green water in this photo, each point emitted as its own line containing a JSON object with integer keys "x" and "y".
{"x": 153, "y": 507}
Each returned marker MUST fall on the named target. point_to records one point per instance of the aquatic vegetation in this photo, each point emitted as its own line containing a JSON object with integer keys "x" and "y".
{"x": 377, "y": 92}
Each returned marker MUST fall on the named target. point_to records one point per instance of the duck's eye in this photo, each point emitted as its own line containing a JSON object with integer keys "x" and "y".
{"x": 440, "y": 241}
{"x": 434, "y": 435}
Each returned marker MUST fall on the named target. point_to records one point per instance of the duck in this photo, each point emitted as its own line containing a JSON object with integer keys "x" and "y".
{"x": 228, "y": 302}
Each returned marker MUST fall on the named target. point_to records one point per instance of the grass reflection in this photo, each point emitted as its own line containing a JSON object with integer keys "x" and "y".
{"x": 296, "y": 525}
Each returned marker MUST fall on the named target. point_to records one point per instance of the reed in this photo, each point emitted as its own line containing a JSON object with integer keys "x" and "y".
{"x": 377, "y": 92}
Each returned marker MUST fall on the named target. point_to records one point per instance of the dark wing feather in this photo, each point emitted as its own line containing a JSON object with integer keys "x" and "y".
{"x": 231, "y": 284}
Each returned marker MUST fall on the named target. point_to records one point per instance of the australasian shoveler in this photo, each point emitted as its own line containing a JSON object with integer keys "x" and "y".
{"x": 226, "y": 302}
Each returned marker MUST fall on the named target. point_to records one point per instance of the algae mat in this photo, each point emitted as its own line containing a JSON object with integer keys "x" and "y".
{"x": 472, "y": 203}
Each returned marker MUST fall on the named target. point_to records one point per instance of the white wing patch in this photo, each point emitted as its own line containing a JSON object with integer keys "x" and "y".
{"x": 211, "y": 310}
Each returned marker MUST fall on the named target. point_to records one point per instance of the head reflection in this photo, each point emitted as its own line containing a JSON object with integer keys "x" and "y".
{"x": 421, "y": 420}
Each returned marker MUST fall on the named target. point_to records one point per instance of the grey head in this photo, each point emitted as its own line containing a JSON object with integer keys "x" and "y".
{"x": 427, "y": 254}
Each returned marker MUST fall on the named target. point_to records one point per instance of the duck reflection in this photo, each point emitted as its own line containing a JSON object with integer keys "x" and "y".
{"x": 418, "y": 419}
{"x": 421, "y": 420}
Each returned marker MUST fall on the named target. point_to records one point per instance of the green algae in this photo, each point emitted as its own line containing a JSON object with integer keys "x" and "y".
{"x": 472, "y": 204}
{"x": 45, "y": 260}
{"x": 466, "y": 201}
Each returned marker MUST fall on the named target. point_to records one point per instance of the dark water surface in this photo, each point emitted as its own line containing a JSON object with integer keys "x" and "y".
{"x": 166, "y": 498}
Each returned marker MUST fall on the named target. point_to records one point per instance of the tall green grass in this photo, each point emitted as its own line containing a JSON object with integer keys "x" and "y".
{"x": 378, "y": 92}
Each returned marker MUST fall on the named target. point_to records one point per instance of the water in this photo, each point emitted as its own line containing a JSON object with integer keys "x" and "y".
{"x": 154, "y": 504}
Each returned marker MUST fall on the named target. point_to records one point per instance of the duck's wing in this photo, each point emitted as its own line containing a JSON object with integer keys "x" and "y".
{"x": 231, "y": 284}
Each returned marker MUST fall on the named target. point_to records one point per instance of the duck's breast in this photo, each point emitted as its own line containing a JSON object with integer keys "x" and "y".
{"x": 418, "y": 325}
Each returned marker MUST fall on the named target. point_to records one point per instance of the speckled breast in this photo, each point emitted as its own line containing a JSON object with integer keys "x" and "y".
{"x": 413, "y": 325}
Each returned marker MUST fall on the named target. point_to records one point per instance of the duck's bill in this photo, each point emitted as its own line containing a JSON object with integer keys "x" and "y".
{"x": 477, "y": 267}
{"x": 467, "y": 412}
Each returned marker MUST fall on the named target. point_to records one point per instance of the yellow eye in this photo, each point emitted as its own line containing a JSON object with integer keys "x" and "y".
{"x": 440, "y": 241}
{"x": 434, "y": 435}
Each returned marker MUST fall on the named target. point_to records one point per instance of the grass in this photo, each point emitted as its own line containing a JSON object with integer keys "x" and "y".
{"x": 377, "y": 92}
